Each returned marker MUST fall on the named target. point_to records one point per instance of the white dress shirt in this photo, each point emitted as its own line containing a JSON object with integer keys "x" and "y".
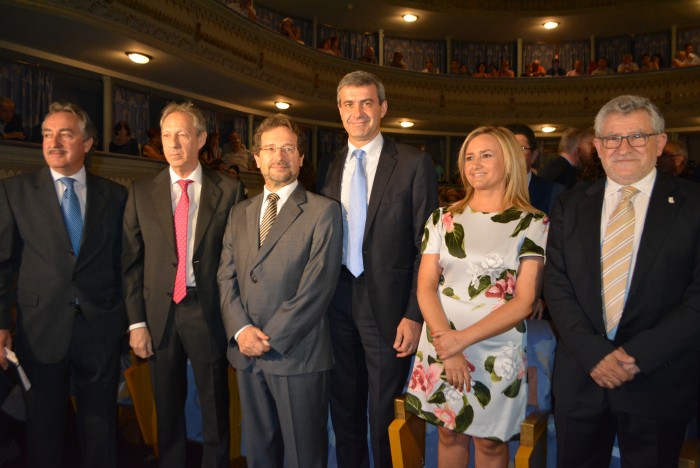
{"x": 79, "y": 186}
{"x": 194, "y": 190}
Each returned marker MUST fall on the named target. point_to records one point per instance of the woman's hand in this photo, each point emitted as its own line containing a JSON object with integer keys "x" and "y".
{"x": 457, "y": 372}
{"x": 447, "y": 343}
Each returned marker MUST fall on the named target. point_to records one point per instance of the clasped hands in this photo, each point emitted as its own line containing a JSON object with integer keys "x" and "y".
{"x": 253, "y": 342}
{"x": 615, "y": 369}
{"x": 449, "y": 347}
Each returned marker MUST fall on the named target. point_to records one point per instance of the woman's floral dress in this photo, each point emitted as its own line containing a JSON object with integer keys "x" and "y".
{"x": 480, "y": 254}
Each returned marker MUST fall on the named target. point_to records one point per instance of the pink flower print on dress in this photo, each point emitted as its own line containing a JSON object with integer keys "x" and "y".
{"x": 425, "y": 381}
{"x": 447, "y": 416}
{"x": 448, "y": 222}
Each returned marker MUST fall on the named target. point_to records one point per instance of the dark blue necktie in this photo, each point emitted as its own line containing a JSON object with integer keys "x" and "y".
{"x": 357, "y": 214}
{"x": 71, "y": 214}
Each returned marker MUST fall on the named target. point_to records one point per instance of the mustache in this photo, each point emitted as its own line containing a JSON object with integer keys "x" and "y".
{"x": 280, "y": 163}
{"x": 362, "y": 118}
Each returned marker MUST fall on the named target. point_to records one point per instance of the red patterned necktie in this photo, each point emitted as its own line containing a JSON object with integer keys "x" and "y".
{"x": 181, "y": 215}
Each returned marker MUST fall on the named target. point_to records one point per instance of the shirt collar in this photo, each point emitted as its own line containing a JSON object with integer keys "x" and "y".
{"x": 374, "y": 147}
{"x": 284, "y": 193}
{"x": 644, "y": 185}
{"x": 195, "y": 176}
{"x": 79, "y": 176}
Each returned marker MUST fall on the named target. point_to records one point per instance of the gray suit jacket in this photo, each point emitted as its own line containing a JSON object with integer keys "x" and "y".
{"x": 150, "y": 256}
{"x": 284, "y": 288}
{"x": 34, "y": 243}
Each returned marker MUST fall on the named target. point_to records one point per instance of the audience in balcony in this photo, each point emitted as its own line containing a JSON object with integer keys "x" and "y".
{"x": 481, "y": 71}
{"x": 602, "y": 68}
{"x": 368, "y": 56}
{"x": 627, "y": 65}
{"x": 430, "y": 67}
{"x": 648, "y": 64}
{"x": 326, "y": 47}
{"x": 10, "y": 122}
{"x": 556, "y": 70}
{"x": 154, "y": 148}
{"x": 244, "y": 7}
{"x": 397, "y": 61}
{"x": 692, "y": 59}
{"x": 296, "y": 34}
{"x": 211, "y": 150}
{"x": 454, "y": 67}
{"x": 234, "y": 152}
{"x": 464, "y": 70}
{"x": 680, "y": 60}
{"x": 577, "y": 70}
{"x": 505, "y": 71}
{"x": 286, "y": 28}
{"x": 537, "y": 69}
{"x": 123, "y": 143}
{"x": 674, "y": 160}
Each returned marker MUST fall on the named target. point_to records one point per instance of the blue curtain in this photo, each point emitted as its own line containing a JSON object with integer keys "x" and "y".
{"x": 272, "y": 20}
{"x": 657, "y": 43}
{"x": 542, "y": 52}
{"x": 212, "y": 120}
{"x": 240, "y": 125}
{"x": 569, "y": 52}
{"x": 31, "y": 89}
{"x": 473, "y": 53}
{"x": 416, "y": 51}
{"x": 612, "y": 49}
{"x": 330, "y": 141}
{"x": 134, "y": 108}
{"x": 352, "y": 44}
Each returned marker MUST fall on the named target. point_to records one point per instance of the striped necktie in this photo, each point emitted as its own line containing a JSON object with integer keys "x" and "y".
{"x": 616, "y": 258}
{"x": 269, "y": 216}
{"x": 70, "y": 206}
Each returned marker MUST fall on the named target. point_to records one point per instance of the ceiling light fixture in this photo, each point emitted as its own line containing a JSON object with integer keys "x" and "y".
{"x": 281, "y": 105}
{"x": 406, "y": 123}
{"x": 138, "y": 57}
{"x": 409, "y": 18}
{"x": 548, "y": 129}
{"x": 550, "y": 24}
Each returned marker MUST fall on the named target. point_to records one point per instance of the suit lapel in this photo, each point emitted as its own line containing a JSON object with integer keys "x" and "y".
{"x": 387, "y": 162}
{"x": 252, "y": 216}
{"x": 208, "y": 201}
{"x": 289, "y": 212}
{"x": 163, "y": 206}
{"x": 334, "y": 177}
{"x": 95, "y": 204}
{"x": 588, "y": 229}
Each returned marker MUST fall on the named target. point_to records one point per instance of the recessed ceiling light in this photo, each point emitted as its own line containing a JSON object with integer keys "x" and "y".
{"x": 548, "y": 129}
{"x": 409, "y": 18}
{"x": 138, "y": 57}
{"x": 281, "y": 105}
{"x": 406, "y": 123}
{"x": 550, "y": 24}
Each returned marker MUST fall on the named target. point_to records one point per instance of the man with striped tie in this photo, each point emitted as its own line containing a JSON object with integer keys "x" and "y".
{"x": 622, "y": 282}
{"x": 279, "y": 268}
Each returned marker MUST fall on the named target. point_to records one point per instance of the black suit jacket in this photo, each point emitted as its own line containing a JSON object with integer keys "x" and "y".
{"x": 150, "y": 255}
{"x": 34, "y": 243}
{"x": 660, "y": 325}
{"x": 561, "y": 171}
{"x": 404, "y": 193}
{"x": 543, "y": 192}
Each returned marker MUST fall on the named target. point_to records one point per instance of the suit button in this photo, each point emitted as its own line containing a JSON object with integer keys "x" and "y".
{"x": 254, "y": 278}
{"x": 174, "y": 265}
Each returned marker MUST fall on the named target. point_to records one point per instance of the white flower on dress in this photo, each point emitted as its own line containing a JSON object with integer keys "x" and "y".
{"x": 491, "y": 265}
{"x": 509, "y": 362}
{"x": 453, "y": 397}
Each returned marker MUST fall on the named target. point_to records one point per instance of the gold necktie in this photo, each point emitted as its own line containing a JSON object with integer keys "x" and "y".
{"x": 269, "y": 216}
{"x": 618, "y": 244}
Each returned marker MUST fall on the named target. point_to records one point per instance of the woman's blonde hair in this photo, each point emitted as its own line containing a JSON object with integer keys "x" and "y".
{"x": 516, "y": 194}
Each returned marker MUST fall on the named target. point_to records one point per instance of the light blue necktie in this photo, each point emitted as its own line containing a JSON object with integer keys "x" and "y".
{"x": 71, "y": 214}
{"x": 357, "y": 214}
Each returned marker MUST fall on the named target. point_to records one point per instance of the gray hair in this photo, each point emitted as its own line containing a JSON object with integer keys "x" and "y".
{"x": 362, "y": 78}
{"x": 186, "y": 108}
{"x": 569, "y": 141}
{"x": 627, "y": 104}
{"x": 86, "y": 125}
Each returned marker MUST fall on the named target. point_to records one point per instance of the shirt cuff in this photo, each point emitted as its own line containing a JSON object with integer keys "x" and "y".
{"x": 134, "y": 326}
{"x": 235, "y": 337}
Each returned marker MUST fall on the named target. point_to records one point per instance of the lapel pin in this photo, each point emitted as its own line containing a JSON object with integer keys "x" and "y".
{"x": 671, "y": 200}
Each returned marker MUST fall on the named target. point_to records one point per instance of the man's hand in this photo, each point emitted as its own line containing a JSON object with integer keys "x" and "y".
{"x": 140, "y": 342}
{"x": 615, "y": 369}
{"x": 537, "y": 310}
{"x": 253, "y": 342}
{"x": 5, "y": 341}
{"x": 407, "y": 337}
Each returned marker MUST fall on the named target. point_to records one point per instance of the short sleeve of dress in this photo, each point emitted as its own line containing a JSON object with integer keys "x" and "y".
{"x": 534, "y": 241}
{"x": 433, "y": 232}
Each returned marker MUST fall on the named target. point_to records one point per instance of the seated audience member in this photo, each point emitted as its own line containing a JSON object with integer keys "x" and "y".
{"x": 464, "y": 70}
{"x": 234, "y": 172}
{"x": 658, "y": 61}
{"x": 296, "y": 35}
{"x": 527, "y": 71}
{"x": 210, "y": 151}
{"x": 10, "y": 122}
{"x": 430, "y": 67}
{"x": 286, "y": 26}
{"x": 454, "y": 67}
{"x": 648, "y": 64}
{"x": 562, "y": 169}
{"x": 335, "y": 46}
{"x": 397, "y": 61}
{"x": 244, "y": 7}
{"x": 577, "y": 70}
{"x": 602, "y": 68}
{"x": 680, "y": 60}
{"x": 154, "y": 148}
{"x": 123, "y": 143}
{"x": 493, "y": 70}
{"x": 537, "y": 69}
{"x": 481, "y": 71}
{"x": 690, "y": 56}
{"x": 326, "y": 47}
{"x": 674, "y": 160}
{"x": 234, "y": 152}
{"x": 368, "y": 56}
{"x": 627, "y": 65}
{"x": 505, "y": 71}
{"x": 556, "y": 70}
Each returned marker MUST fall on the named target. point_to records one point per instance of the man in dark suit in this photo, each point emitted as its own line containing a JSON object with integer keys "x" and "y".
{"x": 542, "y": 191}
{"x": 173, "y": 228}
{"x": 563, "y": 168}
{"x": 375, "y": 319}
{"x": 279, "y": 269}
{"x": 60, "y": 232}
{"x": 622, "y": 283}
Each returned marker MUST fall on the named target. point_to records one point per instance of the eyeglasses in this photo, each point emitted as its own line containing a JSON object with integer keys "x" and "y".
{"x": 525, "y": 148}
{"x": 635, "y": 140}
{"x": 272, "y": 149}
